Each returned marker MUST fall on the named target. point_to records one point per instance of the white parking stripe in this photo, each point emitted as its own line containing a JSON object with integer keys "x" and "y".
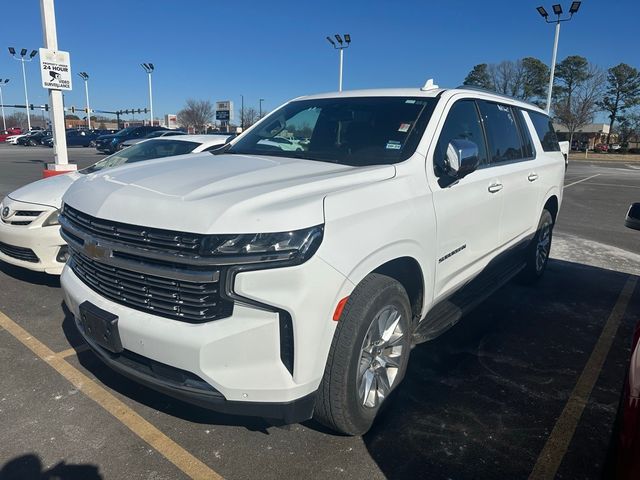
{"x": 583, "y": 180}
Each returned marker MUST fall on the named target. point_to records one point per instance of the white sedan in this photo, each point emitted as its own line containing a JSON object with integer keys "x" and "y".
{"x": 29, "y": 229}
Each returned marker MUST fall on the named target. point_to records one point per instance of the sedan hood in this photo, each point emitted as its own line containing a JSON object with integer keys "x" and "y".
{"x": 204, "y": 193}
{"x": 48, "y": 191}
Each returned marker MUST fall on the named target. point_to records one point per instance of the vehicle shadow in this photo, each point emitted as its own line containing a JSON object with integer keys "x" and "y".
{"x": 148, "y": 397}
{"x": 483, "y": 397}
{"x": 29, "y": 467}
{"x": 24, "y": 275}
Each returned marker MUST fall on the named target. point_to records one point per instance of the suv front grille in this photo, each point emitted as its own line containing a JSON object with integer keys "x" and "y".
{"x": 165, "y": 241}
{"x": 193, "y": 302}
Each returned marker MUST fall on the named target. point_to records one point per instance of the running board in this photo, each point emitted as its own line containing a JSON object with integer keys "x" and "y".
{"x": 448, "y": 312}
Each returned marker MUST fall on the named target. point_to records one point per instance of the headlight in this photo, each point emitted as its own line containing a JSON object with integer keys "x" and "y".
{"x": 291, "y": 247}
{"x": 52, "y": 219}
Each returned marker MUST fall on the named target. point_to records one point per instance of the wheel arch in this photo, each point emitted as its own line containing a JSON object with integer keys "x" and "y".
{"x": 408, "y": 272}
{"x": 552, "y": 205}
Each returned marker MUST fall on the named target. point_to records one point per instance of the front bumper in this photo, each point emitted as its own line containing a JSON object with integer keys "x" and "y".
{"x": 44, "y": 242}
{"x": 238, "y": 358}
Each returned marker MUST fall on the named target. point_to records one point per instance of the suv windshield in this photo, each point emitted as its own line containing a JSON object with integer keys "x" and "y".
{"x": 355, "y": 131}
{"x": 143, "y": 151}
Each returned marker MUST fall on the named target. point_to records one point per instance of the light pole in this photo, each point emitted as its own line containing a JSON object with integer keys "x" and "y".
{"x": 260, "y": 108}
{"x": 242, "y": 113}
{"x": 149, "y": 68}
{"x": 85, "y": 77}
{"x": 557, "y": 10}
{"x": 23, "y": 52}
{"x": 341, "y": 45}
{"x": 4, "y": 122}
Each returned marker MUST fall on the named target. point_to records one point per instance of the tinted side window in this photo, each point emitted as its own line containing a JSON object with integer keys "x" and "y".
{"x": 527, "y": 143}
{"x": 545, "y": 131}
{"x": 463, "y": 123}
{"x": 505, "y": 144}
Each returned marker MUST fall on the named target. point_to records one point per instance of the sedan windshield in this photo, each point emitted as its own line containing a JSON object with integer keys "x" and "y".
{"x": 354, "y": 131}
{"x": 146, "y": 150}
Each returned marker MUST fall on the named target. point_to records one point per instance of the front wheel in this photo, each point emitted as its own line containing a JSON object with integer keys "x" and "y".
{"x": 368, "y": 356}
{"x": 537, "y": 254}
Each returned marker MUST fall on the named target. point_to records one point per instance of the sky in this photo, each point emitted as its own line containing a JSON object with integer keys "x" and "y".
{"x": 277, "y": 50}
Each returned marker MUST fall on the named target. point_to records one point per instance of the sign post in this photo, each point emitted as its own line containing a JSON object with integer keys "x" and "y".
{"x": 56, "y": 76}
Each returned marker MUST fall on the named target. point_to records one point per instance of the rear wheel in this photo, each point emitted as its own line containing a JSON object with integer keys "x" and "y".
{"x": 368, "y": 356}
{"x": 537, "y": 255}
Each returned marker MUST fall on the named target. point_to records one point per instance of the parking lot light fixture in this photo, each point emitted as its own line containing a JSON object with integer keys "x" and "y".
{"x": 4, "y": 122}
{"x": 260, "y": 107}
{"x": 557, "y": 10}
{"x": 575, "y": 6}
{"x": 149, "y": 68}
{"x": 85, "y": 77}
{"x": 22, "y": 59}
{"x": 341, "y": 45}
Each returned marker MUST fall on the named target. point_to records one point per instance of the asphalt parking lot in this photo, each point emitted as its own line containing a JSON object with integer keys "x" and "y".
{"x": 526, "y": 386}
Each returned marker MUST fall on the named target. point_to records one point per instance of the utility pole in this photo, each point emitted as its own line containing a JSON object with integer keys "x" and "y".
{"x": 85, "y": 77}
{"x": 242, "y": 113}
{"x": 4, "y": 122}
{"x": 260, "y": 102}
{"x": 149, "y": 68}
{"x": 341, "y": 45}
{"x": 557, "y": 10}
{"x": 50, "y": 37}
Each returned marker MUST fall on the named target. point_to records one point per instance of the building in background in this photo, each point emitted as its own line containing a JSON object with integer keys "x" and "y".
{"x": 586, "y": 137}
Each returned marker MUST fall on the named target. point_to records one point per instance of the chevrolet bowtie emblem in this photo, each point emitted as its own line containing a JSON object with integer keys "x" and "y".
{"x": 93, "y": 250}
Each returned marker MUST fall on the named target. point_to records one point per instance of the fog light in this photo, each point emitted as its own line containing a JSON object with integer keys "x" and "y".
{"x": 63, "y": 254}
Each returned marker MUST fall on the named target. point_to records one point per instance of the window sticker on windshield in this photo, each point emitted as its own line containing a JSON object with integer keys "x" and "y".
{"x": 404, "y": 127}
{"x": 393, "y": 145}
{"x": 502, "y": 108}
{"x": 409, "y": 101}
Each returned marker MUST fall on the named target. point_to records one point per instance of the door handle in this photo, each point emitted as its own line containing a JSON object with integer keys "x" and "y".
{"x": 532, "y": 177}
{"x": 495, "y": 187}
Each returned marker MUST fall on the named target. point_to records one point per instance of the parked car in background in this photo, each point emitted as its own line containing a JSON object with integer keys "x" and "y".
{"x": 29, "y": 229}
{"x": 281, "y": 143}
{"x": 113, "y": 143}
{"x": 156, "y": 134}
{"x": 76, "y": 138}
{"x": 33, "y": 138}
{"x": 289, "y": 284}
{"x": 601, "y": 147}
{"x": 9, "y": 132}
{"x": 614, "y": 147}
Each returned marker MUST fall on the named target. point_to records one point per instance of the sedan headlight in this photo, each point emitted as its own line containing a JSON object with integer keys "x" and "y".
{"x": 52, "y": 219}
{"x": 292, "y": 247}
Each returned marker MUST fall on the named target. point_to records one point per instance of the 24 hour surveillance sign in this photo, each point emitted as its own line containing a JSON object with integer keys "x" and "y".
{"x": 55, "y": 68}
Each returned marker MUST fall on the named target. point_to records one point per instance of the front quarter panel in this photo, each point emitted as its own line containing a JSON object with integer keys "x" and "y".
{"x": 370, "y": 225}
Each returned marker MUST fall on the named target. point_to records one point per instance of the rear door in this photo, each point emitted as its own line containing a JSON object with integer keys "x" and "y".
{"x": 512, "y": 157}
{"x": 467, "y": 211}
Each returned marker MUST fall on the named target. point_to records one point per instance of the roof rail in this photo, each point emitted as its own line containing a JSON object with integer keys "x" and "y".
{"x": 493, "y": 92}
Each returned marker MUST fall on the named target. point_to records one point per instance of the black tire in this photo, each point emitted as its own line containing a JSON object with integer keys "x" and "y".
{"x": 339, "y": 405}
{"x": 535, "y": 265}
{"x": 92, "y": 143}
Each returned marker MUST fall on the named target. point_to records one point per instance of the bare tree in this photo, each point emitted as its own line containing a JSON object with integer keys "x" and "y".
{"x": 17, "y": 119}
{"x": 524, "y": 79}
{"x": 196, "y": 114}
{"x": 248, "y": 117}
{"x": 576, "y": 107}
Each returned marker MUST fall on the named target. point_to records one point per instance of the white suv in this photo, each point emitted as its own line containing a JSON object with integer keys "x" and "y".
{"x": 290, "y": 284}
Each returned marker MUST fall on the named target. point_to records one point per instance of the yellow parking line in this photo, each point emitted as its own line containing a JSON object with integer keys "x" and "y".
{"x": 558, "y": 442}
{"x": 168, "y": 448}
{"x": 72, "y": 351}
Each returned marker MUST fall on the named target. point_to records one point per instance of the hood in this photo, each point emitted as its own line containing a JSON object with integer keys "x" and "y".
{"x": 204, "y": 193}
{"x": 48, "y": 191}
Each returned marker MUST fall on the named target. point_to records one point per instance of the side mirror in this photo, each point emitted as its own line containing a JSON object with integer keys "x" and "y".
{"x": 633, "y": 217}
{"x": 462, "y": 158}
